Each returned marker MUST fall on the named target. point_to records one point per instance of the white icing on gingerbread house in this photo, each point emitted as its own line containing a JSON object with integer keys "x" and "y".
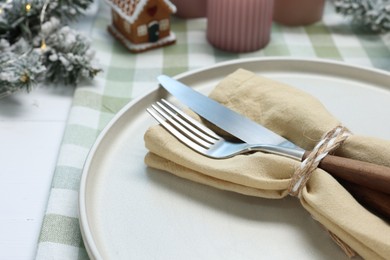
{"x": 142, "y": 24}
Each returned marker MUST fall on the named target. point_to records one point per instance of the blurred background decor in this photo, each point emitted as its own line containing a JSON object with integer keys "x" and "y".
{"x": 239, "y": 26}
{"x": 373, "y": 15}
{"x": 142, "y": 25}
{"x": 37, "y": 45}
{"x": 190, "y": 8}
{"x": 298, "y": 12}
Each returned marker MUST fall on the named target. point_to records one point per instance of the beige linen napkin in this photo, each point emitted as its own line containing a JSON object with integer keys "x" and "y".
{"x": 302, "y": 119}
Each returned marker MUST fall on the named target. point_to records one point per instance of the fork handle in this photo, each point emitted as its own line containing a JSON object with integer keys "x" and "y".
{"x": 372, "y": 176}
{"x": 377, "y": 202}
{"x": 368, "y": 183}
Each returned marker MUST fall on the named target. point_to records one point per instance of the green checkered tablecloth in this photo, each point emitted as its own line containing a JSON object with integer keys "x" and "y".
{"x": 127, "y": 76}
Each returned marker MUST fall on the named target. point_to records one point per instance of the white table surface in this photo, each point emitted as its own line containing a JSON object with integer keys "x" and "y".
{"x": 31, "y": 129}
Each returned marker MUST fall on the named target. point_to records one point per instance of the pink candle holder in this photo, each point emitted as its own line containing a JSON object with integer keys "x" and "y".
{"x": 190, "y": 8}
{"x": 239, "y": 26}
{"x": 298, "y": 12}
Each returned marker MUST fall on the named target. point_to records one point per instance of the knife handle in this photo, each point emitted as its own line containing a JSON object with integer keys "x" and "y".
{"x": 373, "y": 176}
{"x": 377, "y": 202}
{"x": 368, "y": 183}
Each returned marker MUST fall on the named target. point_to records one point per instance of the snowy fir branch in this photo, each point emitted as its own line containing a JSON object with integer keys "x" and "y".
{"x": 371, "y": 14}
{"x": 36, "y": 44}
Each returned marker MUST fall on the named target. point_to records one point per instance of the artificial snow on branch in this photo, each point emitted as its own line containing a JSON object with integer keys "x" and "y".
{"x": 36, "y": 44}
{"x": 372, "y": 14}
{"x": 67, "y": 55}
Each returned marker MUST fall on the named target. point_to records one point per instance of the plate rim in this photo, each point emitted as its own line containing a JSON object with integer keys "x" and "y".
{"x": 85, "y": 229}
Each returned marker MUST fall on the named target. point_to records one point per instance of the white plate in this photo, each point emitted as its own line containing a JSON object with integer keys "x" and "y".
{"x": 128, "y": 211}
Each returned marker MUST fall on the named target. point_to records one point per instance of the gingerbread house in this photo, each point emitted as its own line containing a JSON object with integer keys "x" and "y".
{"x": 142, "y": 24}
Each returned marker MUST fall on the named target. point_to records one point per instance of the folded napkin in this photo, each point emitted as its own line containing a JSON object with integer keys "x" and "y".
{"x": 303, "y": 120}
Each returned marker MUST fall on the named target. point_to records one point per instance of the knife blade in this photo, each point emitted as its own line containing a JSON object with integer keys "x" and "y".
{"x": 243, "y": 128}
{"x": 367, "y": 178}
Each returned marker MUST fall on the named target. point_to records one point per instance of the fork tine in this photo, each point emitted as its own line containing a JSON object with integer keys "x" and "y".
{"x": 176, "y": 133}
{"x": 187, "y": 123}
{"x": 198, "y": 125}
{"x": 182, "y": 128}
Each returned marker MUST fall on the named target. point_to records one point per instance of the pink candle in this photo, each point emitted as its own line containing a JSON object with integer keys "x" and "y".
{"x": 298, "y": 12}
{"x": 190, "y": 8}
{"x": 239, "y": 25}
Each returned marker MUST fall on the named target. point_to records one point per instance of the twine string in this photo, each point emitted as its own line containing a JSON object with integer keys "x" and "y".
{"x": 329, "y": 143}
{"x": 346, "y": 248}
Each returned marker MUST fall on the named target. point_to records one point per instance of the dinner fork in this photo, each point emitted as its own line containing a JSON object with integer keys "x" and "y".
{"x": 208, "y": 143}
{"x": 199, "y": 137}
